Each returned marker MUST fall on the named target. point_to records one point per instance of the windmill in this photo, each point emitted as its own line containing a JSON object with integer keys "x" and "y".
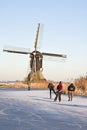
{"x": 36, "y": 59}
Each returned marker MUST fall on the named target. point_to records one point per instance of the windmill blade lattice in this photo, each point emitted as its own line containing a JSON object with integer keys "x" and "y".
{"x": 18, "y": 50}
{"x": 36, "y": 38}
{"x": 54, "y": 55}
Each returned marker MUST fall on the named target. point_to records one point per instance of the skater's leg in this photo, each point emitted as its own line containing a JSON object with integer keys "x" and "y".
{"x": 56, "y": 96}
{"x": 50, "y": 94}
{"x": 54, "y": 91}
{"x": 68, "y": 96}
{"x": 59, "y": 96}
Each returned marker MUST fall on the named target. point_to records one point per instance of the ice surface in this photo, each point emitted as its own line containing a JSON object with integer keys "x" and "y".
{"x": 21, "y": 109}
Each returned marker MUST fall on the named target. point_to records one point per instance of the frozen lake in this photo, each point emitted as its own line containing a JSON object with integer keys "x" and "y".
{"x": 21, "y": 109}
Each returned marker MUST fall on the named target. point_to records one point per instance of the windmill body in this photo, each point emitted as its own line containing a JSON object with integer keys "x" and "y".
{"x": 36, "y": 59}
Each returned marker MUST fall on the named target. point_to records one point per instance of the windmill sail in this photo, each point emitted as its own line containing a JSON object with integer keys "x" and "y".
{"x": 18, "y": 50}
{"x": 37, "y": 34}
{"x": 54, "y": 55}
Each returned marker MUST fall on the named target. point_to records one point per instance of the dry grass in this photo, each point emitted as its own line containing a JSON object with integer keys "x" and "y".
{"x": 42, "y": 84}
{"x": 80, "y": 84}
{"x": 13, "y": 85}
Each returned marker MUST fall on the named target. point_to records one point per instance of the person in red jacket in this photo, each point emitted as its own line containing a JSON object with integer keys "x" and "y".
{"x": 59, "y": 91}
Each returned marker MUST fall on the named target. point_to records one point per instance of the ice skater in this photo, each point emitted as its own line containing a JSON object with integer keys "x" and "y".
{"x": 71, "y": 89}
{"x": 59, "y": 92}
{"x": 51, "y": 88}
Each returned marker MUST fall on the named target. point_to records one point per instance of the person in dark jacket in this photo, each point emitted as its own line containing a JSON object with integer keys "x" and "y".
{"x": 59, "y": 91}
{"x": 51, "y": 88}
{"x": 71, "y": 89}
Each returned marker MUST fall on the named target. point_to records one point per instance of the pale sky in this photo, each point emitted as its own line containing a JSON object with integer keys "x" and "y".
{"x": 64, "y": 32}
